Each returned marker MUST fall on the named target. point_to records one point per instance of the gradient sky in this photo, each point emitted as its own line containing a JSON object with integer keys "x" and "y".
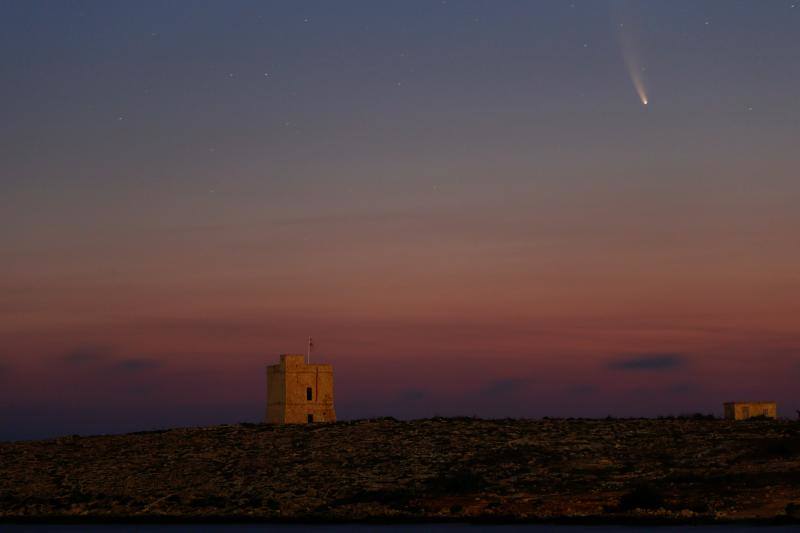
{"x": 465, "y": 202}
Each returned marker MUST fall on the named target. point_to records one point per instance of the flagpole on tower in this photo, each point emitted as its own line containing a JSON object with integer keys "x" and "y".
{"x": 308, "y": 352}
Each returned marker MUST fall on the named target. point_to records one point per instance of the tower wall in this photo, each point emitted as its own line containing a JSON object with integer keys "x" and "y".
{"x": 745, "y": 410}
{"x": 289, "y": 385}
{"x": 276, "y": 392}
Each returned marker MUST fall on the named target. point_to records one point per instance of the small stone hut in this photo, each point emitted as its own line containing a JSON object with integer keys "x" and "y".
{"x": 745, "y": 410}
{"x": 298, "y": 392}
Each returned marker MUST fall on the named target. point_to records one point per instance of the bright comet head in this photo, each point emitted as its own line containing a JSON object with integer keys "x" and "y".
{"x": 629, "y": 42}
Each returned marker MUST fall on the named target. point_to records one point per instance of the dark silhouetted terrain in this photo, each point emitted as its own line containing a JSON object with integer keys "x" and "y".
{"x": 676, "y": 469}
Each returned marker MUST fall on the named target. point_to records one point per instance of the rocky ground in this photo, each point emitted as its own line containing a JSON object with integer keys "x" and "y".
{"x": 464, "y": 469}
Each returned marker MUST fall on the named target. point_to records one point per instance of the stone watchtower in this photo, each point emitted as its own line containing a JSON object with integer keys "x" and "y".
{"x": 299, "y": 393}
{"x": 745, "y": 410}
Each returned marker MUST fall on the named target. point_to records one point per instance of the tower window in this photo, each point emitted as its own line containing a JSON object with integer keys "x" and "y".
{"x": 309, "y": 394}
{"x": 310, "y": 419}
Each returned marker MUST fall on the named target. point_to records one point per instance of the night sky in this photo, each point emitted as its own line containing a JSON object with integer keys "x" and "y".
{"x": 466, "y": 203}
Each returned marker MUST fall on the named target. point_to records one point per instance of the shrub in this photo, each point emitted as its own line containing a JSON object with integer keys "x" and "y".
{"x": 211, "y": 500}
{"x": 464, "y": 481}
{"x": 642, "y": 497}
{"x": 777, "y": 448}
{"x": 697, "y": 416}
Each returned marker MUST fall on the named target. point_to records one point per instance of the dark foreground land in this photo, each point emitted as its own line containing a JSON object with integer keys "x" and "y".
{"x": 462, "y": 469}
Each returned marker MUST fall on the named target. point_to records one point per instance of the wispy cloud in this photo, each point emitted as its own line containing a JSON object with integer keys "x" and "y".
{"x": 582, "y": 389}
{"x": 85, "y": 355}
{"x": 680, "y": 388}
{"x": 649, "y": 361}
{"x": 412, "y": 395}
{"x": 349, "y": 217}
{"x": 138, "y": 364}
{"x": 503, "y": 387}
{"x": 101, "y": 359}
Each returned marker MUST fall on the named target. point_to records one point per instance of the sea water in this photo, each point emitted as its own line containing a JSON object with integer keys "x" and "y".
{"x": 384, "y": 528}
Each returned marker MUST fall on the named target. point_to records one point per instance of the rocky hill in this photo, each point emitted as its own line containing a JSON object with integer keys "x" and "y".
{"x": 597, "y": 470}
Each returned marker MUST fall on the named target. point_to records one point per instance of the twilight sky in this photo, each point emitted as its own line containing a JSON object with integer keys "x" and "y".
{"x": 465, "y": 203}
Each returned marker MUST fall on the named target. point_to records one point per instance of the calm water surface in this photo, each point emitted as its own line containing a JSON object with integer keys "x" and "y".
{"x": 363, "y": 528}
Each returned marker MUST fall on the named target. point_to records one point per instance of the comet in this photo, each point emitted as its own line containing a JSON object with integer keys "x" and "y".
{"x": 635, "y": 70}
{"x": 625, "y": 14}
